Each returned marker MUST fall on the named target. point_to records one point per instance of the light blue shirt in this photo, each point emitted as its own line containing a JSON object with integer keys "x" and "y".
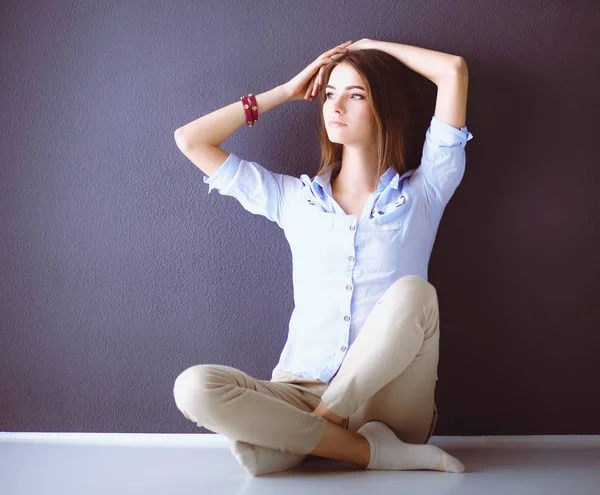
{"x": 341, "y": 268}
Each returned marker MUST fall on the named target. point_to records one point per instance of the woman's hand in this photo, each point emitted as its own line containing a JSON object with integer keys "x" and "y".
{"x": 303, "y": 85}
{"x": 317, "y": 80}
{"x": 360, "y": 44}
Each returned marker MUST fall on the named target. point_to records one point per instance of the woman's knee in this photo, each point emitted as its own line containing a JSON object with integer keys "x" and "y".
{"x": 413, "y": 282}
{"x": 413, "y": 288}
{"x": 194, "y": 387}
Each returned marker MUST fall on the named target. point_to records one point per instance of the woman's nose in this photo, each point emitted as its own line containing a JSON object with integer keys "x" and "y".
{"x": 337, "y": 108}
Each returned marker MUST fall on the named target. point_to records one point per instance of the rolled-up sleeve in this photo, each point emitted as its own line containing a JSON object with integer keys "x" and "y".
{"x": 443, "y": 160}
{"x": 258, "y": 190}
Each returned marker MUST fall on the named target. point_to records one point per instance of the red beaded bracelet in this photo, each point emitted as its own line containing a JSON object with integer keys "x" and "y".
{"x": 251, "y": 109}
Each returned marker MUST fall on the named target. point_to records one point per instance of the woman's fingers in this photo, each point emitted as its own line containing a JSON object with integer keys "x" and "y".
{"x": 308, "y": 91}
{"x": 329, "y": 53}
{"x": 326, "y": 58}
{"x": 341, "y": 47}
{"x": 336, "y": 52}
{"x": 320, "y": 76}
{"x": 311, "y": 87}
{"x": 320, "y": 63}
{"x": 317, "y": 81}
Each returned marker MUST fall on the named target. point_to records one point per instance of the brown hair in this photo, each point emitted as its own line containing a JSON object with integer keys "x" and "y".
{"x": 394, "y": 97}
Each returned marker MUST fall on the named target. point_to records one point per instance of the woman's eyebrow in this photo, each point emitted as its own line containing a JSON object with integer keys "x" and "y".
{"x": 347, "y": 87}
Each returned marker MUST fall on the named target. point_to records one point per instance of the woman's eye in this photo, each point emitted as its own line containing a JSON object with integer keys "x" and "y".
{"x": 353, "y": 94}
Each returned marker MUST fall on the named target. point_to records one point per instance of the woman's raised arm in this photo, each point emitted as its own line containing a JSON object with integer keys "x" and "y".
{"x": 200, "y": 139}
{"x": 431, "y": 64}
{"x": 213, "y": 128}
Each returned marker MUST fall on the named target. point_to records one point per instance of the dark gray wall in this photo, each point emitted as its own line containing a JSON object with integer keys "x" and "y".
{"x": 118, "y": 270}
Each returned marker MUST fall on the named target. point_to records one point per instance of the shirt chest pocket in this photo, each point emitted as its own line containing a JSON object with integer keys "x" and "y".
{"x": 391, "y": 218}
{"x": 387, "y": 226}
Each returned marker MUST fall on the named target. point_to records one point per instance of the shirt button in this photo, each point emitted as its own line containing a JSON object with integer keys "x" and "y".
{"x": 347, "y": 318}
{"x": 343, "y": 348}
{"x": 351, "y": 258}
{"x": 352, "y": 227}
{"x": 348, "y": 287}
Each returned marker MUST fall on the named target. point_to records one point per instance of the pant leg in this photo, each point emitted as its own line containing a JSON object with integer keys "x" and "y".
{"x": 406, "y": 404}
{"x": 274, "y": 414}
{"x": 389, "y": 373}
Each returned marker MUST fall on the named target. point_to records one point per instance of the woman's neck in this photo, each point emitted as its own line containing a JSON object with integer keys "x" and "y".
{"x": 358, "y": 172}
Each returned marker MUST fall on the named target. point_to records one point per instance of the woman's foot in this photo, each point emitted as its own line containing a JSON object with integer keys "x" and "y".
{"x": 388, "y": 452}
{"x": 257, "y": 460}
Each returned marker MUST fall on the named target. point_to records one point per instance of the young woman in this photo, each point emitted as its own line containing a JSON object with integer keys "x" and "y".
{"x": 356, "y": 378}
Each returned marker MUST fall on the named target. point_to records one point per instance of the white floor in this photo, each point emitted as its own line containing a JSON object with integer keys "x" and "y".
{"x": 91, "y": 463}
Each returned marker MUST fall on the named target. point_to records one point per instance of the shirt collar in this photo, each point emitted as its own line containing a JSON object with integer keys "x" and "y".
{"x": 323, "y": 181}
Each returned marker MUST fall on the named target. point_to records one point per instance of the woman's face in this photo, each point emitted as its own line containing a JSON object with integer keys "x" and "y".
{"x": 348, "y": 105}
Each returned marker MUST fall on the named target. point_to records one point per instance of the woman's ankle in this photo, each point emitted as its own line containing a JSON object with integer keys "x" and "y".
{"x": 323, "y": 411}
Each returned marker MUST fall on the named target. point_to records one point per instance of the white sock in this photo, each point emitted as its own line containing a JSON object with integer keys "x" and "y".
{"x": 257, "y": 460}
{"x": 388, "y": 452}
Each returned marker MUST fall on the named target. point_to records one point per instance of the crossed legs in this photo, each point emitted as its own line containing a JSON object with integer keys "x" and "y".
{"x": 398, "y": 333}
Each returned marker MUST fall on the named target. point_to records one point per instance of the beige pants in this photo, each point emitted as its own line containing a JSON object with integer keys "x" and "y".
{"x": 388, "y": 375}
